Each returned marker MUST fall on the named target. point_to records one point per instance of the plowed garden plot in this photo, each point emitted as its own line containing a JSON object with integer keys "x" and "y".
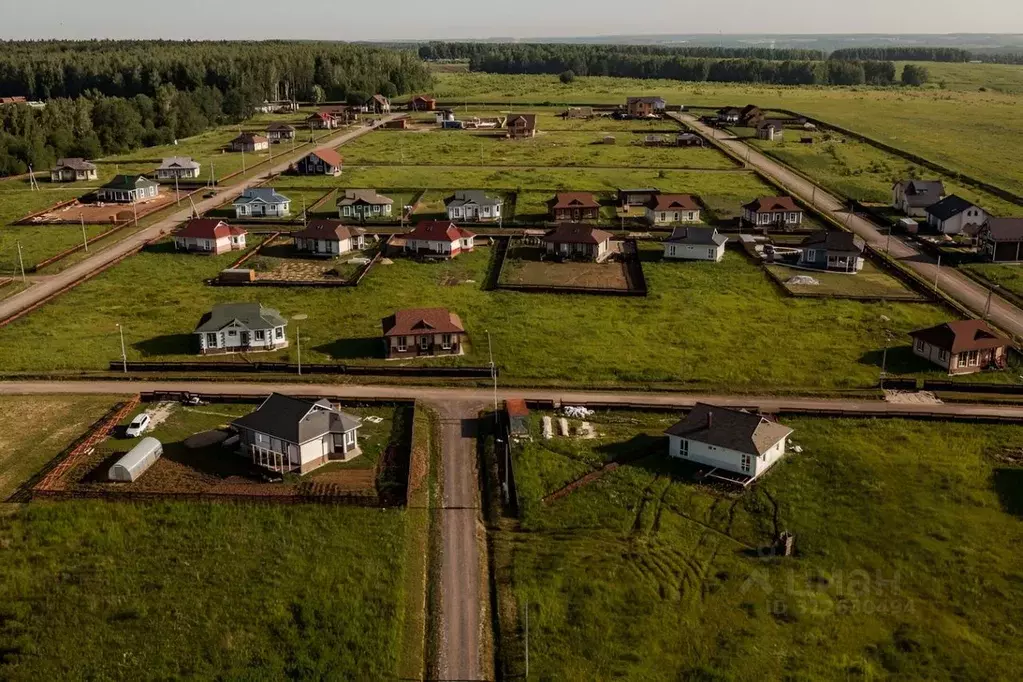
{"x": 280, "y": 261}
{"x": 523, "y": 266}
{"x": 106, "y": 212}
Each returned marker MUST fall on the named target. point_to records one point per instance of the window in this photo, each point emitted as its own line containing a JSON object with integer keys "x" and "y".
{"x": 445, "y": 341}
{"x": 671, "y": 250}
{"x": 711, "y": 254}
{"x": 811, "y": 255}
{"x": 919, "y": 345}
{"x": 973, "y": 358}
{"x": 260, "y": 335}
{"x": 424, "y": 342}
{"x": 684, "y": 448}
{"x": 402, "y": 344}
{"x": 350, "y": 438}
{"x": 746, "y": 463}
{"x": 211, "y": 340}
{"x": 346, "y": 210}
{"x": 376, "y": 208}
{"x": 279, "y": 333}
{"x": 232, "y": 332}
{"x": 942, "y": 355}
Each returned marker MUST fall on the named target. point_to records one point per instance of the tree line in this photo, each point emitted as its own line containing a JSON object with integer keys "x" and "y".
{"x": 438, "y": 50}
{"x": 904, "y": 54}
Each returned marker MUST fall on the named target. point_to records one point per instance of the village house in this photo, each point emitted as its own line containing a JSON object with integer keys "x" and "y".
{"x": 729, "y": 115}
{"x": 378, "y": 104}
{"x": 473, "y": 205}
{"x": 913, "y": 197}
{"x": 521, "y": 125}
{"x": 962, "y": 346}
{"x": 637, "y": 196}
{"x": 733, "y": 441}
{"x": 953, "y": 214}
{"x": 772, "y": 131}
{"x": 422, "y": 103}
{"x": 209, "y": 235}
{"x": 643, "y": 107}
{"x": 832, "y": 250}
{"x": 178, "y": 167}
{"x": 322, "y": 120}
{"x": 1001, "y": 240}
{"x": 250, "y": 142}
{"x": 363, "y": 204}
{"x": 286, "y": 434}
{"x": 420, "y": 332}
{"x": 128, "y": 189}
{"x": 573, "y": 206}
{"x": 750, "y": 115}
{"x": 73, "y": 170}
{"x": 695, "y": 243}
{"x": 773, "y": 212}
{"x": 329, "y": 238}
{"x": 439, "y": 239}
{"x": 321, "y": 161}
{"x": 241, "y": 328}
{"x": 262, "y": 202}
{"x": 665, "y": 209}
{"x": 280, "y": 132}
{"x": 572, "y": 240}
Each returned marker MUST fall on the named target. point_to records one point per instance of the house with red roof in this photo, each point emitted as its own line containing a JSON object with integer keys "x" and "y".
{"x": 572, "y": 240}
{"x": 250, "y": 142}
{"x": 321, "y": 161}
{"x": 773, "y": 212}
{"x": 961, "y": 346}
{"x": 329, "y": 238}
{"x": 419, "y": 332}
{"x": 209, "y": 235}
{"x": 323, "y": 120}
{"x": 574, "y": 206}
{"x": 439, "y": 239}
{"x": 667, "y": 209}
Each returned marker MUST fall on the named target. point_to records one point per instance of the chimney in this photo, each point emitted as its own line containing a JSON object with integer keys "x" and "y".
{"x": 710, "y": 419}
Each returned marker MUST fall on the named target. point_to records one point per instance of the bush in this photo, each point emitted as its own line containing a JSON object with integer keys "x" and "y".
{"x": 914, "y": 74}
{"x": 567, "y": 76}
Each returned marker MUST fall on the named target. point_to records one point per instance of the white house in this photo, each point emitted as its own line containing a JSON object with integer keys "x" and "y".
{"x": 953, "y": 213}
{"x": 209, "y": 235}
{"x": 128, "y": 189}
{"x": 734, "y": 441}
{"x": 262, "y": 202}
{"x": 439, "y": 238}
{"x": 288, "y": 434}
{"x": 73, "y": 169}
{"x": 241, "y": 328}
{"x": 665, "y": 209}
{"x": 695, "y": 243}
{"x": 473, "y": 205}
{"x": 363, "y": 204}
{"x": 180, "y": 167}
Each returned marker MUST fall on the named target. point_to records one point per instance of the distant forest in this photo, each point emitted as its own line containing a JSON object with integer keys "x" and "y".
{"x": 108, "y": 97}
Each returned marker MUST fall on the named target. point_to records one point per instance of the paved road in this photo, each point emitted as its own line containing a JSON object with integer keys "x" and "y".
{"x": 82, "y": 270}
{"x": 972, "y": 295}
{"x": 460, "y": 587}
{"x": 442, "y": 396}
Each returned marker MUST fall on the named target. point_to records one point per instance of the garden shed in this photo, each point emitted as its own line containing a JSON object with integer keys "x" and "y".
{"x": 137, "y": 461}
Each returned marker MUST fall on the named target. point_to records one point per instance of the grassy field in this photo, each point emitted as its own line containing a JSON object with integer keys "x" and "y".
{"x": 905, "y": 564}
{"x": 1003, "y": 274}
{"x": 1004, "y": 78}
{"x": 712, "y": 325}
{"x": 868, "y": 282}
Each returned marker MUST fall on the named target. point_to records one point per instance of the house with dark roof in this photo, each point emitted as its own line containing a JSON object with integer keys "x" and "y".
{"x": 261, "y": 202}
{"x": 953, "y": 214}
{"x": 378, "y": 104}
{"x": 422, "y": 103}
{"x": 644, "y": 107}
{"x": 636, "y": 196}
{"x": 241, "y": 328}
{"x": 329, "y": 238}
{"x": 249, "y": 142}
{"x": 286, "y": 434}
{"x": 73, "y": 170}
{"x": 209, "y": 235}
{"x": 832, "y": 250}
{"x": 750, "y": 115}
{"x": 729, "y": 115}
{"x": 573, "y": 240}
{"x": 178, "y": 167}
{"x": 668, "y": 209}
{"x": 912, "y": 197}
{"x": 1001, "y": 240}
{"x": 280, "y": 132}
{"x": 736, "y": 442}
{"x": 521, "y": 125}
{"x": 473, "y": 205}
{"x": 962, "y": 346}
{"x": 128, "y": 189}
{"x": 419, "y": 332}
{"x": 770, "y": 130}
{"x": 363, "y": 204}
{"x": 573, "y": 206}
{"x": 322, "y": 161}
{"x": 768, "y": 212}
{"x": 439, "y": 239}
{"x": 695, "y": 243}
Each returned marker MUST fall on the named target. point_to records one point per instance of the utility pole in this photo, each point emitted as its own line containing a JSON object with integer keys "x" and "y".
{"x": 124, "y": 355}
{"x": 177, "y": 191}
{"x": 298, "y": 338}
{"x": 85, "y": 239}
{"x": 527, "y": 640}
{"x": 21, "y": 262}
{"x": 888, "y": 240}
{"x": 987, "y": 305}
{"x": 135, "y": 212}
{"x": 937, "y": 272}
{"x": 884, "y": 359}
{"x": 243, "y": 159}
{"x": 305, "y": 217}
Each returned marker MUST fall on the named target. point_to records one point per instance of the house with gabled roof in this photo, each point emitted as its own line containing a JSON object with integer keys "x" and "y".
{"x": 249, "y": 142}
{"x": 241, "y": 328}
{"x": 912, "y": 197}
{"x": 73, "y": 170}
{"x": 178, "y": 167}
{"x": 770, "y": 130}
{"x": 574, "y": 240}
{"x": 729, "y": 115}
{"x": 768, "y": 212}
{"x": 961, "y": 346}
{"x": 378, "y": 104}
{"x": 209, "y": 235}
{"x": 834, "y": 250}
{"x": 280, "y": 132}
{"x": 667, "y": 209}
{"x": 419, "y": 332}
{"x": 329, "y": 238}
{"x": 422, "y": 103}
{"x": 439, "y": 239}
{"x": 473, "y": 205}
{"x": 643, "y": 107}
{"x": 286, "y": 434}
{"x": 262, "y": 202}
{"x": 1001, "y": 240}
{"x": 321, "y": 161}
{"x": 573, "y": 206}
{"x": 738, "y": 444}
{"x": 521, "y": 125}
{"x": 695, "y": 243}
{"x": 363, "y": 204}
{"x": 636, "y": 196}
{"x": 953, "y": 215}
{"x": 323, "y": 120}
{"x": 128, "y": 189}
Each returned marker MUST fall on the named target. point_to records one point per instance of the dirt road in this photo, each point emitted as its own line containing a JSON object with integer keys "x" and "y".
{"x": 461, "y": 579}
{"x": 958, "y": 286}
{"x": 82, "y": 270}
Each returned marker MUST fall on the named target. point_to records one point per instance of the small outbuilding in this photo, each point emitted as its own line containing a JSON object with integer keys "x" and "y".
{"x": 137, "y": 461}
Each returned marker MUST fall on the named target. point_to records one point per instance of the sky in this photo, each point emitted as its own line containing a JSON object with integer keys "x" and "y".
{"x": 460, "y": 19}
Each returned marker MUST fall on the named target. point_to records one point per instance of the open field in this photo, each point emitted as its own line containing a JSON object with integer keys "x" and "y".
{"x": 1005, "y": 275}
{"x": 1003, "y": 78}
{"x": 868, "y": 282}
{"x": 904, "y": 562}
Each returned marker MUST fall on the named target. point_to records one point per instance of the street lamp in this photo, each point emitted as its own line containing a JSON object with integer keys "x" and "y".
{"x": 298, "y": 337}
{"x": 124, "y": 355}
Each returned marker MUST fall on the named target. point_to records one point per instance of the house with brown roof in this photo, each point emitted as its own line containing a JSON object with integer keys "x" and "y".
{"x": 249, "y": 142}
{"x": 769, "y": 130}
{"x": 912, "y": 197}
{"x": 638, "y": 196}
{"x": 323, "y": 120}
{"x": 209, "y": 235}
{"x": 573, "y": 206}
{"x": 750, "y": 115}
{"x": 667, "y": 209}
{"x": 768, "y": 212}
{"x": 962, "y": 346}
{"x": 644, "y": 107}
{"x": 329, "y": 238}
{"x": 422, "y": 103}
{"x": 378, "y": 104}
{"x": 178, "y": 168}
{"x": 363, "y": 204}
{"x": 439, "y": 239}
{"x": 321, "y": 161}
{"x": 73, "y": 170}
{"x": 1001, "y": 240}
{"x": 402, "y": 123}
{"x": 521, "y": 125}
{"x": 420, "y": 332}
{"x": 280, "y": 132}
{"x": 572, "y": 240}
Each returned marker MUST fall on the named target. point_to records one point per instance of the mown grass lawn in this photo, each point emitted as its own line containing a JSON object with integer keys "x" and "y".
{"x": 906, "y": 564}
{"x": 870, "y": 281}
{"x": 1005, "y": 275}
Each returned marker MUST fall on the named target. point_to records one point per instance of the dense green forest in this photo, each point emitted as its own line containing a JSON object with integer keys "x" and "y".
{"x": 108, "y": 97}
{"x": 904, "y": 54}
{"x": 460, "y": 50}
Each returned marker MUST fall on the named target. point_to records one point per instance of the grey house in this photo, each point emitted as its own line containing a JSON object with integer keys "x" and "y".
{"x": 128, "y": 189}
{"x": 832, "y": 250}
{"x": 262, "y": 202}
{"x": 241, "y": 328}
{"x": 912, "y": 197}
{"x": 73, "y": 169}
{"x": 695, "y": 243}
{"x": 180, "y": 167}
{"x": 473, "y": 205}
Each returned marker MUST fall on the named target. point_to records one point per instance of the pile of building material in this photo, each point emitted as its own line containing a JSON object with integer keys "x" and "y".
{"x": 548, "y": 428}
{"x": 803, "y": 280}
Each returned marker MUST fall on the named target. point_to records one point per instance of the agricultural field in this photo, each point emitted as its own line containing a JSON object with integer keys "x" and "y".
{"x": 644, "y": 574}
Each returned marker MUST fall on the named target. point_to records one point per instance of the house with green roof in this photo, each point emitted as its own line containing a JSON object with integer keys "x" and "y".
{"x": 128, "y": 189}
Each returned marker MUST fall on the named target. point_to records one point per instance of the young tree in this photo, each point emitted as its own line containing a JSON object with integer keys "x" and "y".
{"x": 567, "y": 76}
{"x": 915, "y": 74}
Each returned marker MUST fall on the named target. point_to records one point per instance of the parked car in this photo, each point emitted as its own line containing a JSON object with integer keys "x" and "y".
{"x": 138, "y": 426}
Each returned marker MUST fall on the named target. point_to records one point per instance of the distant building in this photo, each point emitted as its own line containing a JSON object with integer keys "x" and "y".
{"x": 772, "y": 131}
{"x": 953, "y": 215}
{"x": 262, "y": 202}
{"x": 695, "y": 243}
{"x": 378, "y": 104}
{"x": 329, "y": 238}
{"x": 572, "y": 240}
{"x": 363, "y": 204}
{"x": 73, "y": 170}
{"x": 419, "y": 332}
{"x": 832, "y": 250}
{"x": 473, "y": 205}
{"x": 573, "y": 206}
{"x": 322, "y": 161}
{"x": 521, "y": 125}
{"x": 128, "y": 189}
{"x": 665, "y": 209}
{"x": 439, "y": 238}
{"x": 1001, "y": 240}
{"x": 962, "y": 346}
{"x": 209, "y": 235}
{"x": 422, "y": 103}
{"x": 642, "y": 107}
{"x": 241, "y": 327}
{"x": 178, "y": 167}
{"x": 249, "y": 142}
{"x": 280, "y": 132}
{"x": 913, "y": 197}
{"x": 773, "y": 212}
